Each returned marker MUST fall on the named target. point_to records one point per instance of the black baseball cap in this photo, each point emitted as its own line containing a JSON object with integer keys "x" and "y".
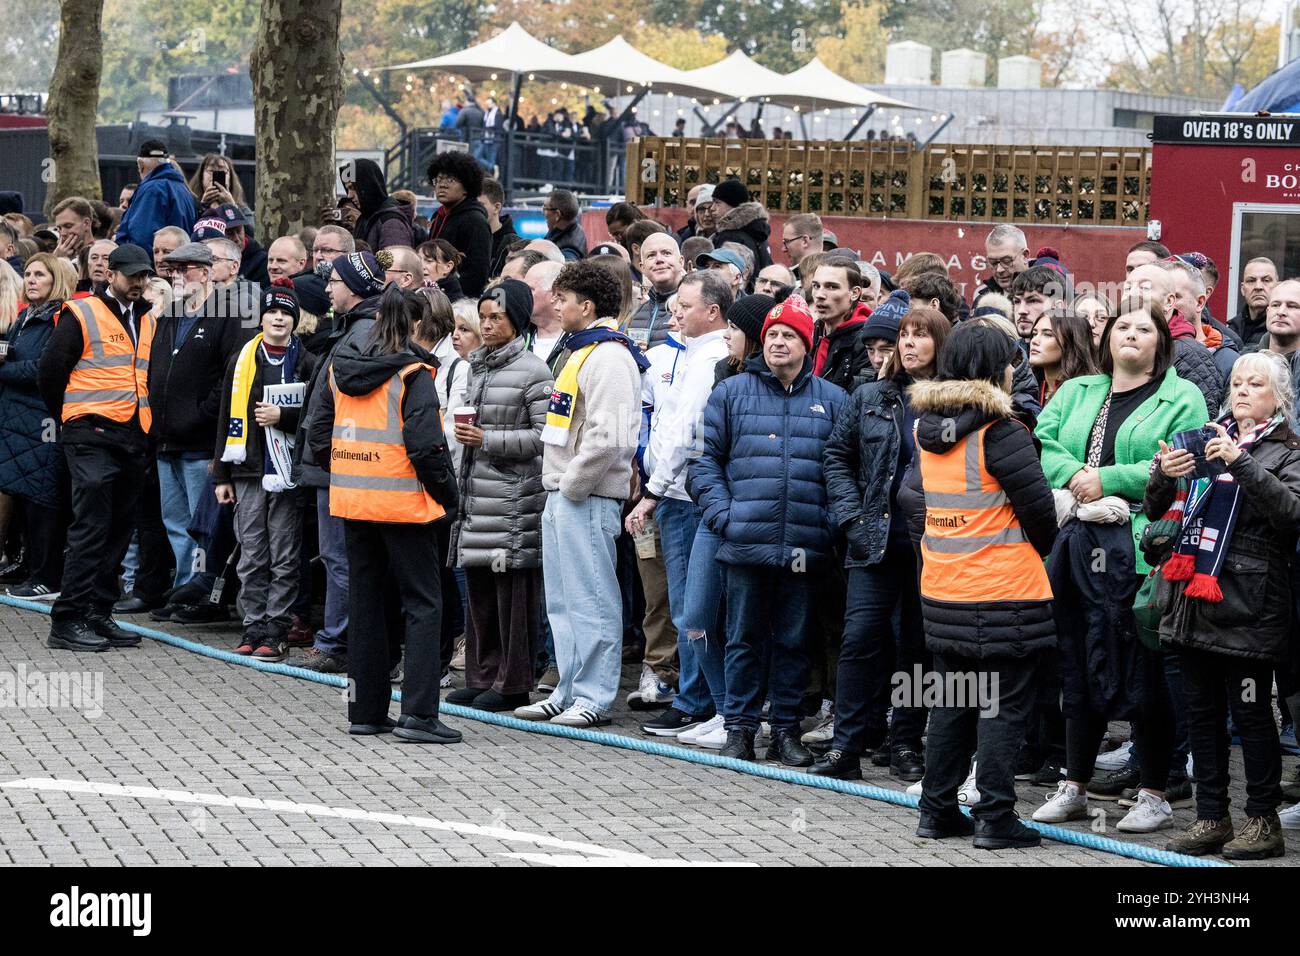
{"x": 152, "y": 149}
{"x": 129, "y": 260}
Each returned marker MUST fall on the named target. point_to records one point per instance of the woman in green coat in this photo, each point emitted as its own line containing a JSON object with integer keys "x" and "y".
{"x": 1099, "y": 435}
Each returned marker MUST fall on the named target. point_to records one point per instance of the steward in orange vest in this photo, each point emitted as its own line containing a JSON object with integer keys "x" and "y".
{"x": 379, "y": 428}
{"x": 983, "y": 519}
{"x": 984, "y": 589}
{"x": 94, "y": 379}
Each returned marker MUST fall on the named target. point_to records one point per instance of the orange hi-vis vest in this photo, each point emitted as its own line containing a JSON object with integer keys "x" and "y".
{"x": 974, "y": 550}
{"x": 371, "y": 477}
{"x": 112, "y": 378}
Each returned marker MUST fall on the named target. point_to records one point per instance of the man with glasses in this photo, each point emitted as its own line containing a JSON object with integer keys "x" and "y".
{"x": 1006, "y": 251}
{"x": 354, "y": 285}
{"x": 802, "y": 234}
{"x": 562, "y": 228}
{"x": 407, "y": 270}
{"x": 195, "y": 340}
{"x": 331, "y": 242}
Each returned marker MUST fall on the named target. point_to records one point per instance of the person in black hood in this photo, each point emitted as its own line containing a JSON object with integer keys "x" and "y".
{"x": 390, "y": 480}
{"x": 384, "y": 221}
{"x": 983, "y": 514}
{"x": 460, "y": 219}
{"x": 742, "y": 221}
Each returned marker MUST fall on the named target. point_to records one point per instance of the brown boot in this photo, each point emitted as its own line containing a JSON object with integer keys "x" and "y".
{"x": 1260, "y": 839}
{"x": 1202, "y": 837}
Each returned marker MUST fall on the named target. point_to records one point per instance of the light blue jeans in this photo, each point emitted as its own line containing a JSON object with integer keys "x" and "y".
{"x": 583, "y": 600}
{"x": 703, "y": 609}
{"x": 181, "y": 481}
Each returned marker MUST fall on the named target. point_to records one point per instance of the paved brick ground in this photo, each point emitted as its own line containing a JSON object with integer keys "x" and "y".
{"x": 175, "y": 720}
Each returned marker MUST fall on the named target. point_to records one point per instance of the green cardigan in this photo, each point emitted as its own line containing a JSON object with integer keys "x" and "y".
{"x": 1067, "y": 420}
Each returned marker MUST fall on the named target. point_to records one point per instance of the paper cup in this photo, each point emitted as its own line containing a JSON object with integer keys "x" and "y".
{"x": 465, "y": 415}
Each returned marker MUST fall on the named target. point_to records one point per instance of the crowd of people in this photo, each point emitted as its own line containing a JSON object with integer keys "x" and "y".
{"x": 787, "y": 493}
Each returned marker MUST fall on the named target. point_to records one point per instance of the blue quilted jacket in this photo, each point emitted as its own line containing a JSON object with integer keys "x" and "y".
{"x": 759, "y": 479}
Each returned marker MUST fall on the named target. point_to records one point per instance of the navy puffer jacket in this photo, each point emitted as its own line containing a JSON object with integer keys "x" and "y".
{"x": 30, "y": 458}
{"x": 759, "y": 478}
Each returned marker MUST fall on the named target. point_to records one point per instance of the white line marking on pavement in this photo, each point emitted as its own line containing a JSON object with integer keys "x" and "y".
{"x": 580, "y": 854}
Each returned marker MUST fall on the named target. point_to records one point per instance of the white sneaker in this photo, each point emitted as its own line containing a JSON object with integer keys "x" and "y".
{"x": 458, "y": 655}
{"x": 1116, "y": 759}
{"x": 1068, "y": 803}
{"x": 579, "y": 715}
{"x": 644, "y": 685}
{"x": 823, "y": 733}
{"x": 1149, "y": 814}
{"x": 967, "y": 794}
{"x": 658, "y": 694}
{"x": 693, "y": 735}
{"x": 916, "y": 788}
{"x": 542, "y": 710}
{"x": 764, "y": 730}
{"x": 712, "y": 734}
{"x": 1290, "y": 817}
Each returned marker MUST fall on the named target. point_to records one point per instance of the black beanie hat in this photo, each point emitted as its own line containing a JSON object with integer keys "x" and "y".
{"x": 516, "y": 299}
{"x": 280, "y": 294}
{"x": 732, "y": 192}
{"x": 747, "y": 314}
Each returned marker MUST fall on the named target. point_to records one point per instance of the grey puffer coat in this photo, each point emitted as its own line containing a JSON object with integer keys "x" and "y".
{"x": 501, "y": 495}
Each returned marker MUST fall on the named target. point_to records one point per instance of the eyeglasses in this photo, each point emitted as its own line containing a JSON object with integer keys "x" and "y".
{"x": 224, "y": 259}
{"x": 330, "y": 282}
{"x": 786, "y": 242}
{"x": 549, "y": 209}
{"x": 445, "y": 180}
{"x": 1004, "y": 263}
{"x": 396, "y": 272}
{"x": 327, "y": 252}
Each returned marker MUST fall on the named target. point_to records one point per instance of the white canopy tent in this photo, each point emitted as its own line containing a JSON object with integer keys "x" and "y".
{"x": 618, "y": 68}
{"x": 513, "y": 50}
{"x": 613, "y": 67}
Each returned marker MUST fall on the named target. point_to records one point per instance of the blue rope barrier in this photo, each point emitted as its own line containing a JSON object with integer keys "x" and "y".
{"x": 1092, "y": 841}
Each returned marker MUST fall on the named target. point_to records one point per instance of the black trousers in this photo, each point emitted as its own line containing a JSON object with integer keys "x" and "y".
{"x": 1216, "y": 685}
{"x": 46, "y": 531}
{"x": 154, "y": 576}
{"x": 1155, "y": 730}
{"x": 105, "y": 489}
{"x": 405, "y": 555}
{"x": 957, "y": 732}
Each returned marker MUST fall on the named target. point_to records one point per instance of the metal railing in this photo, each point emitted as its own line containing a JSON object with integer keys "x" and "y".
{"x": 524, "y": 161}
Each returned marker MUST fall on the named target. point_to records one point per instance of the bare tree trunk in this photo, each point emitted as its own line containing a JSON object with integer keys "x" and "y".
{"x": 297, "y": 74}
{"x": 73, "y": 103}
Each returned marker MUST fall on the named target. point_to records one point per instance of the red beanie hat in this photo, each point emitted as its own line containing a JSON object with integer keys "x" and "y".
{"x": 793, "y": 313}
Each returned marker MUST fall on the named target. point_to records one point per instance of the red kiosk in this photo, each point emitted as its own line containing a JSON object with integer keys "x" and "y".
{"x": 1228, "y": 185}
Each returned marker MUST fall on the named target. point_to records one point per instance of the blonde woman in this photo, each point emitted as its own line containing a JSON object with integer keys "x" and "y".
{"x": 31, "y": 466}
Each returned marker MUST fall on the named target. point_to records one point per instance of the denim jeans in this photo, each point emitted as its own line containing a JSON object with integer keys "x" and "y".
{"x": 582, "y": 598}
{"x": 181, "y": 481}
{"x": 767, "y": 608}
{"x": 678, "y": 522}
{"x": 486, "y": 154}
{"x": 956, "y": 732}
{"x": 866, "y": 659}
{"x": 704, "y": 613}
{"x": 332, "y": 638}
